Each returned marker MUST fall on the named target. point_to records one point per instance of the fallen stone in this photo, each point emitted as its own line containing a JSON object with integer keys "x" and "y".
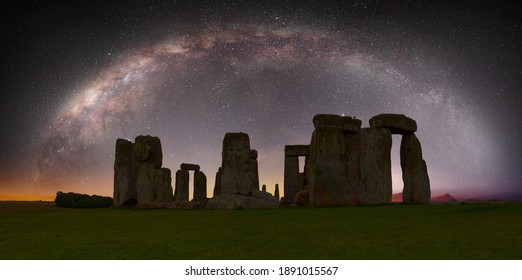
{"x": 77, "y": 200}
{"x": 189, "y": 166}
{"x": 396, "y": 123}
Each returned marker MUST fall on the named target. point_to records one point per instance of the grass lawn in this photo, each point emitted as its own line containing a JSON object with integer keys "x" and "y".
{"x": 39, "y": 230}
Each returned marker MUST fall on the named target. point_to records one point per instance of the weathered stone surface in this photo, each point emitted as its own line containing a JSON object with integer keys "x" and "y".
{"x": 352, "y": 158}
{"x": 291, "y": 179}
{"x": 146, "y": 183}
{"x": 217, "y": 183}
{"x": 255, "y": 174}
{"x": 189, "y": 166}
{"x": 302, "y": 198}
{"x": 351, "y": 125}
{"x": 263, "y": 189}
{"x": 125, "y": 174}
{"x": 327, "y": 119}
{"x": 182, "y": 186}
{"x": 297, "y": 150}
{"x": 414, "y": 171}
{"x": 276, "y": 192}
{"x": 375, "y": 181}
{"x": 200, "y": 186}
{"x": 396, "y": 123}
{"x": 258, "y": 200}
{"x": 148, "y": 149}
{"x": 77, "y": 200}
{"x": 328, "y": 186}
{"x": 237, "y": 174}
{"x": 163, "y": 179}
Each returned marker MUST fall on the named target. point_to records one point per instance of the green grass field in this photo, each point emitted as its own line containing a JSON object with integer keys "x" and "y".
{"x": 39, "y": 230}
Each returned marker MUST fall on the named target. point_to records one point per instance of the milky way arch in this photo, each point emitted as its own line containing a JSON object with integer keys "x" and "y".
{"x": 266, "y": 80}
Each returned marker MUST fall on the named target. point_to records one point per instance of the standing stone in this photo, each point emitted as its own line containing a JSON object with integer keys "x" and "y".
{"x": 125, "y": 174}
{"x": 163, "y": 180}
{"x": 264, "y": 188}
{"x": 237, "y": 174}
{"x": 148, "y": 154}
{"x": 414, "y": 171}
{"x": 146, "y": 183}
{"x": 352, "y": 158}
{"x": 291, "y": 179}
{"x": 301, "y": 181}
{"x": 255, "y": 174}
{"x": 375, "y": 181}
{"x": 200, "y": 186}
{"x": 182, "y": 186}
{"x": 328, "y": 183}
{"x": 217, "y": 184}
{"x": 276, "y": 192}
{"x": 148, "y": 149}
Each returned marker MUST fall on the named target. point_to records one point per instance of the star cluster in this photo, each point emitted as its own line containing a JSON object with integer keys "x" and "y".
{"x": 189, "y": 73}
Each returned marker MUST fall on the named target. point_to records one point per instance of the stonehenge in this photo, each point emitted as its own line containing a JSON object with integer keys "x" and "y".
{"x": 344, "y": 164}
{"x": 349, "y": 165}
{"x": 140, "y": 180}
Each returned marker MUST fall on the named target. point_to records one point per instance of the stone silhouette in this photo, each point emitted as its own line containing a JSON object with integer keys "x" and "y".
{"x": 414, "y": 171}
{"x": 125, "y": 173}
{"x": 189, "y": 166}
{"x": 375, "y": 166}
{"x": 239, "y": 179}
{"x": 344, "y": 165}
{"x": 328, "y": 174}
{"x": 237, "y": 175}
{"x": 77, "y": 200}
{"x": 293, "y": 180}
{"x": 350, "y": 165}
{"x": 182, "y": 185}
{"x": 138, "y": 176}
{"x": 200, "y": 187}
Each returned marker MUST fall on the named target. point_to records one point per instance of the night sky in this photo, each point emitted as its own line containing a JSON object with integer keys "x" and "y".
{"x": 77, "y": 76}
